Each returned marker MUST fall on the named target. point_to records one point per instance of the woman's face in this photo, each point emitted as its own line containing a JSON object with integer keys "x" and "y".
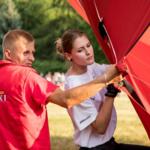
{"x": 82, "y": 52}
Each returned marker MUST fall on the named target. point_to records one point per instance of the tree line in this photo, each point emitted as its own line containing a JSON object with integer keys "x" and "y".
{"x": 46, "y": 20}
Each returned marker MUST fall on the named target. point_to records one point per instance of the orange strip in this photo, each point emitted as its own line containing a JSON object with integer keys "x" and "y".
{"x": 146, "y": 37}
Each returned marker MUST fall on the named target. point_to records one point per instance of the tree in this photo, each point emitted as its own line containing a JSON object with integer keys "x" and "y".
{"x": 47, "y": 20}
{"x": 9, "y": 18}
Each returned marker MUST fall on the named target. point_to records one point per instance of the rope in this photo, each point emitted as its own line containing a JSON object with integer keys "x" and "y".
{"x": 100, "y": 19}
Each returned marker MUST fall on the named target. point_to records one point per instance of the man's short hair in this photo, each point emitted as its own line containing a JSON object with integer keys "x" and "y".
{"x": 13, "y": 35}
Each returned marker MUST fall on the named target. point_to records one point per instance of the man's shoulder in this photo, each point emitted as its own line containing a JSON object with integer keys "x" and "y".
{"x": 25, "y": 68}
{"x": 4, "y": 64}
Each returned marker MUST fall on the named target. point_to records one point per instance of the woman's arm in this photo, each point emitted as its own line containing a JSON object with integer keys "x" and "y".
{"x": 105, "y": 111}
{"x": 111, "y": 73}
{"x": 104, "y": 115}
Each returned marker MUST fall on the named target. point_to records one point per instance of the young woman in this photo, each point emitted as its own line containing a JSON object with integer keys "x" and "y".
{"x": 94, "y": 120}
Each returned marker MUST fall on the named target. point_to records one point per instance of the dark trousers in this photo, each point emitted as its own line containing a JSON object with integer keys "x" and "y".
{"x": 112, "y": 145}
{"x": 131, "y": 147}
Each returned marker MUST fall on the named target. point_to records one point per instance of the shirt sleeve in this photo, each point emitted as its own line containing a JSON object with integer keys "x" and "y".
{"x": 99, "y": 69}
{"x": 38, "y": 88}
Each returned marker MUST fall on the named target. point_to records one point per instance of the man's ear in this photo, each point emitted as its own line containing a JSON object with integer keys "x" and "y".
{"x": 7, "y": 54}
{"x": 68, "y": 56}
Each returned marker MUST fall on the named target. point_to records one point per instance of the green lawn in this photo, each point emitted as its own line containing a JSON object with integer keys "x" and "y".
{"x": 129, "y": 128}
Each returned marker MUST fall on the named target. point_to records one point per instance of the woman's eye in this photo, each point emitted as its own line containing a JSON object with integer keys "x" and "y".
{"x": 89, "y": 44}
{"x": 80, "y": 50}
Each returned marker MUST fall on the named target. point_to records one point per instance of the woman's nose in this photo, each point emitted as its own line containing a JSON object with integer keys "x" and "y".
{"x": 87, "y": 51}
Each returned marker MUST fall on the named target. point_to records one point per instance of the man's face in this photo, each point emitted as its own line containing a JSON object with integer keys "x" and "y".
{"x": 23, "y": 52}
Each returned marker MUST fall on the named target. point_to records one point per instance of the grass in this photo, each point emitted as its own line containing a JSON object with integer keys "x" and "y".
{"x": 129, "y": 128}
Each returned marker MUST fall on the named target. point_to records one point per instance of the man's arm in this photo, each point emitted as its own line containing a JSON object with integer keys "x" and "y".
{"x": 76, "y": 95}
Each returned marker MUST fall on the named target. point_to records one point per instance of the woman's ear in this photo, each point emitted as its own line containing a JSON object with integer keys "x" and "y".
{"x": 68, "y": 56}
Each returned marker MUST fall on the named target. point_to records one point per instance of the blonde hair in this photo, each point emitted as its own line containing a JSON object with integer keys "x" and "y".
{"x": 65, "y": 43}
{"x": 13, "y": 35}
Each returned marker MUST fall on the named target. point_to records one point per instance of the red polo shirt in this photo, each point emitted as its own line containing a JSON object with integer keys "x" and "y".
{"x": 23, "y": 115}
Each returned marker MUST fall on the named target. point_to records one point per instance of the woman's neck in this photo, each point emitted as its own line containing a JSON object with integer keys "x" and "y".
{"x": 77, "y": 70}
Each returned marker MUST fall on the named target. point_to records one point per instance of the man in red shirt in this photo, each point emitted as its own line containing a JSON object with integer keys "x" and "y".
{"x": 24, "y": 95}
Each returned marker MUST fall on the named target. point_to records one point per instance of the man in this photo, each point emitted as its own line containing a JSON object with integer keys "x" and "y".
{"x": 24, "y": 95}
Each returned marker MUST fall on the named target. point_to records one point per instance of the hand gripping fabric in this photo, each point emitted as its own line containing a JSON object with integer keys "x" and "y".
{"x": 112, "y": 91}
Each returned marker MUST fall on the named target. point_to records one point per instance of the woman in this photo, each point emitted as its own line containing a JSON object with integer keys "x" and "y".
{"x": 94, "y": 120}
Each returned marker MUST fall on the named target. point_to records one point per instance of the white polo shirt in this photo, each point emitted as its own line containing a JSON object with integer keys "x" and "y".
{"x": 84, "y": 114}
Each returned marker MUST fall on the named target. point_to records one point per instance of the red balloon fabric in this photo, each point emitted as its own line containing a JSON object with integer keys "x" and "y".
{"x": 123, "y": 31}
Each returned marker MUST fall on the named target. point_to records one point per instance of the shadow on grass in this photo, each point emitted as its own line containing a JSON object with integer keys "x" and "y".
{"x": 62, "y": 143}
{"x": 66, "y": 143}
